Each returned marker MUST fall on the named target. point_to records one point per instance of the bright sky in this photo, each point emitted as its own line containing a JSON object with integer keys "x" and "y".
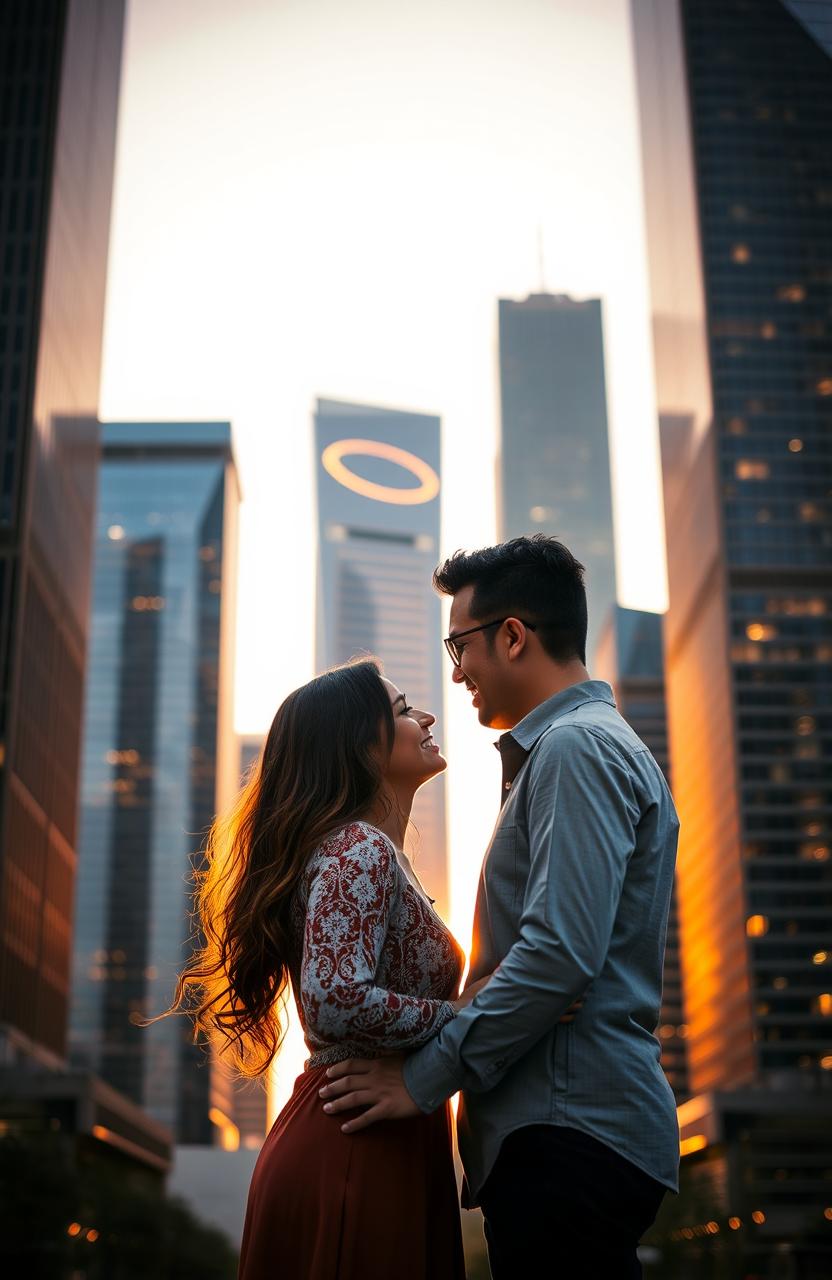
{"x": 326, "y": 197}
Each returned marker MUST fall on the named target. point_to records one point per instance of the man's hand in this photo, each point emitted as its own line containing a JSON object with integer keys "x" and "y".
{"x": 375, "y": 1083}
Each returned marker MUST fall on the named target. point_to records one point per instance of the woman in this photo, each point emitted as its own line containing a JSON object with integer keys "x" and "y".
{"x": 308, "y": 882}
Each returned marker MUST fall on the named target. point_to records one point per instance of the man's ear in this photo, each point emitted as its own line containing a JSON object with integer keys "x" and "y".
{"x": 517, "y": 637}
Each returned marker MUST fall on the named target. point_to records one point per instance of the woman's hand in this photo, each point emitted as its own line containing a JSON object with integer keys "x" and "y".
{"x": 470, "y": 991}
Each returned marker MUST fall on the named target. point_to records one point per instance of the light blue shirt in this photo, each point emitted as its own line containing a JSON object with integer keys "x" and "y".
{"x": 572, "y": 902}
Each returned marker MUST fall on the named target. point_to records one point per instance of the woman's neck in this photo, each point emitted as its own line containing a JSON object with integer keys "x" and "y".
{"x": 391, "y": 814}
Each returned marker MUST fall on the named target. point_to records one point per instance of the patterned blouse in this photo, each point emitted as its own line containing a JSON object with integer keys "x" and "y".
{"x": 375, "y": 967}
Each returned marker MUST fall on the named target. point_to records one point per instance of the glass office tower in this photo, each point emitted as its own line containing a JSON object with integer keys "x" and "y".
{"x": 378, "y": 528}
{"x": 160, "y": 755}
{"x": 60, "y": 68}
{"x": 736, "y": 110}
{"x": 554, "y": 467}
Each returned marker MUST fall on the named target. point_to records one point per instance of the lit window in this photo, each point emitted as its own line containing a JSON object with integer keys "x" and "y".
{"x": 804, "y": 725}
{"x": 735, "y": 1223}
{"x": 791, "y": 293}
{"x": 823, "y": 1004}
{"x": 115, "y": 532}
{"x": 810, "y": 511}
{"x": 760, "y": 631}
{"x": 756, "y": 926}
{"x": 768, "y": 331}
{"x": 826, "y": 1063}
{"x": 736, "y": 426}
{"x": 147, "y": 604}
{"x": 820, "y": 957}
{"x": 780, "y": 984}
{"x": 824, "y": 387}
{"x": 740, "y": 253}
{"x": 751, "y": 469}
{"x": 758, "y": 1216}
{"x": 827, "y": 1213}
{"x": 795, "y": 446}
{"x": 814, "y": 852}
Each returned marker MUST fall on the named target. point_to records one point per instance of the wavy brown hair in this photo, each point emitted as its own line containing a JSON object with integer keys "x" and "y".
{"x": 320, "y": 769}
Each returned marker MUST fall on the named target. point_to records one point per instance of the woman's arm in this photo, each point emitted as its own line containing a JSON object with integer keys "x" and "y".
{"x": 351, "y": 896}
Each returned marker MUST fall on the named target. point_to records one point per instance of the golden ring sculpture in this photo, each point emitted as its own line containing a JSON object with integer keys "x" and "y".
{"x": 333, "y": 456}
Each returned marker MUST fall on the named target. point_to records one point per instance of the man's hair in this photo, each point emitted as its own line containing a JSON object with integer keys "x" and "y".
{"x": 536, "y": 579}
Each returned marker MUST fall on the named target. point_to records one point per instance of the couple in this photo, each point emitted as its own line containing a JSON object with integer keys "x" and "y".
{"x": 566, "y": 1125}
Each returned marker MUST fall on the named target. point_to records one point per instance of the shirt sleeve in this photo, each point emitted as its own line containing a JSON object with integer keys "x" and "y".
{"x": 352, "y": 893}
{"x": 582, "y": 815}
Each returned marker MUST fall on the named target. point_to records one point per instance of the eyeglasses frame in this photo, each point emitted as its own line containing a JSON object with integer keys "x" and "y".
{"x": 450, "y": 641}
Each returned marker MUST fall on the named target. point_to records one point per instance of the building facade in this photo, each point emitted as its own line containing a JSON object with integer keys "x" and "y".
{"x": 554, "y": 466}
{"x": 378, "y": 528}
{"x": 160, "y": 758}
{"x": 736, "y": 108}
{"x": 60, "y": 68}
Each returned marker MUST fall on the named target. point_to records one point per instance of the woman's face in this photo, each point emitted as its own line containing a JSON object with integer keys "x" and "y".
{"x": 415, "y": 756}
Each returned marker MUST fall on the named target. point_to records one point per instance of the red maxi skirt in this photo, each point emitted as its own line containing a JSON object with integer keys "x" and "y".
{"x": 372, "y": 1205}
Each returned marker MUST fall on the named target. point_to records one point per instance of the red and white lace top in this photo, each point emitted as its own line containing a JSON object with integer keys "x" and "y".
{"x": 374, "y": 967}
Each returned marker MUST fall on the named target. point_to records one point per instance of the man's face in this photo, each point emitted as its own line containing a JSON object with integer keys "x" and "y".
{"x": 482, "y": 670}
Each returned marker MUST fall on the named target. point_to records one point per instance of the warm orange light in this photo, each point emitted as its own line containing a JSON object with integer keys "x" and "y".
{"x": 74, "y": 1229}
{"x": 795, "y": 446}
{"x": 427, "y": 489}
{"x": 826, "y": 1062}
{"x": 824, "y": 1004}
{"x": 712, "y": 1228}
{"x": 229, "y": 1133}
{"x": 756, "y": 926}
{"x": 820, "y": 957}
{"x": 696, "y": 1143}
{"x": 824, "y": 387}
{"x": 760, "y": 631}
{"x": 735, "y": 1223}
{"x": 751, "y": 469}
{"x": 740, "y": 253}
{"x": 759, "y": 1217}
{"x": 92, "y": 1235}
{"x": 827, "y": 1213}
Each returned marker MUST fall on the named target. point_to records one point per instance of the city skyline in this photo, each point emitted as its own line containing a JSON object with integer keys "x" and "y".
{"x": 346, "y": 234}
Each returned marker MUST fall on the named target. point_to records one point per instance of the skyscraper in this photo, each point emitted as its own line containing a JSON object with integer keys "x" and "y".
{"x": 378, "y": 527}
{"x": 554, "y": 469}
{"x": 60, "y": 67}
{"x": 160, "y": 755}
{"x": 736, "y": 101}
{"x": 630, "y": 657}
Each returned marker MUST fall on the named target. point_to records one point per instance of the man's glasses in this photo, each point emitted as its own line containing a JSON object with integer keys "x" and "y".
{"x": 450, "y": 642}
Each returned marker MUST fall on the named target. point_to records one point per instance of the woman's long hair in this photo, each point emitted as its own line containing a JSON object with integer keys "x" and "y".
{"x": 321, "y": 768}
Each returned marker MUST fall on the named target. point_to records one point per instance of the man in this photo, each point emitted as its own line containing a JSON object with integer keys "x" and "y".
{"x": 567, "y": 1132}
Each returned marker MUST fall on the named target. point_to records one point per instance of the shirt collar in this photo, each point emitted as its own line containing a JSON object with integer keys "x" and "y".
{"x": 527, "y": 732}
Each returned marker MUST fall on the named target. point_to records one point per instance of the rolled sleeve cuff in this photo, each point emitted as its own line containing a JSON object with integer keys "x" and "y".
{"x": 428, "y": 1077}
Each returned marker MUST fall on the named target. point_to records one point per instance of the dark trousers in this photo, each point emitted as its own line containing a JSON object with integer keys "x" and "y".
{"x": 560, "y": 1204}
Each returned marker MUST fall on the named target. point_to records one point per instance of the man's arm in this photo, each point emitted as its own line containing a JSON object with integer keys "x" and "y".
{"x": 582, "y": 815}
